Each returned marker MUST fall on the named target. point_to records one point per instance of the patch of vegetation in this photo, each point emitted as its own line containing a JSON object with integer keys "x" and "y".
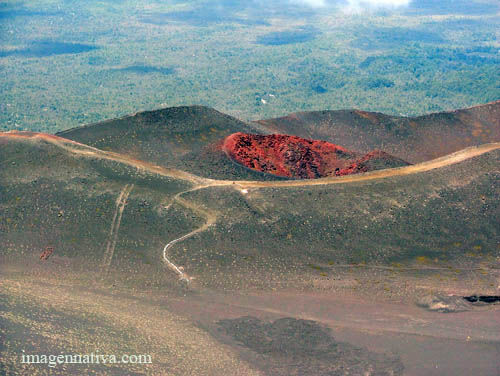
{"x": 435, "y": 64}
{"x": 319, "y": 89}
{"x": 20, "y": 12}
{"x": 48, "y": 48}
{"x": 377, "y": 83}
{"x": 202, "y": 16}
{"x": 145, "y": 69}
{"x": 442, "y": 7}
{"x": 287, "y": 37}
{"x": 387, "y": 37}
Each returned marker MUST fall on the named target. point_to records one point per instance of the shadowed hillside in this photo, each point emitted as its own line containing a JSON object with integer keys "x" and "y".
{"x": 414, "y": 139}
{"x": 50, "y": 196}
{"x": 180, "y": 137}
{"x": 190, "y": 138}
{"x": 120, "y": 227}
{"x": 53, "y": 195}
{"x": 435, "y": 218}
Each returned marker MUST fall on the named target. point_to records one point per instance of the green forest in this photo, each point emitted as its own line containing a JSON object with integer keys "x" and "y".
{"x": 67, "y": 63}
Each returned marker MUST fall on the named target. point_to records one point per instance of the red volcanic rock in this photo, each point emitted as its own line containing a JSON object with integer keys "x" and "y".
{"x": 374, "y": 160}
{"x": 296, "y": 157}
{"x": 289, "y": 156}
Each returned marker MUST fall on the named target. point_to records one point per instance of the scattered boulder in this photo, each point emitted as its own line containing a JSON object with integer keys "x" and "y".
{"x": 482, "y": 299}
{"x": 444, "y": 304}
{"x": 44, "y": 256}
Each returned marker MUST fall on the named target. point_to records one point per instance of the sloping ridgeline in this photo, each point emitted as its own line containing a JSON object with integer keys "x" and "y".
{"x": 186, "y": 138}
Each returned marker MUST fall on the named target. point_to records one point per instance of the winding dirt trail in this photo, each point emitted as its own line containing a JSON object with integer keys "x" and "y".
{"x": 433, "y": 164}
{"x": 83, "y": 150}
{"x": 241, "y": 185}
{"x": 211, "y": 218}
{"x": 200, "y": 182}
{"x": 121, "y": 201}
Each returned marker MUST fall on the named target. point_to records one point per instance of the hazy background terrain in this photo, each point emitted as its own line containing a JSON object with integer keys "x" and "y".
{"x": 362, "y": 274}
{"x": 65, "y": 63}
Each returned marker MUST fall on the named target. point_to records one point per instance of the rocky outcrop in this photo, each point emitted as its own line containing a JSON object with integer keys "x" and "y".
{"x": 296, "y": 157}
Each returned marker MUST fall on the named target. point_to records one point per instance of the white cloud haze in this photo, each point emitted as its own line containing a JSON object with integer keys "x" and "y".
{"x": 311, "y": 3}
{"x": 378, "y": 3}
{"x": 355, "y": 4}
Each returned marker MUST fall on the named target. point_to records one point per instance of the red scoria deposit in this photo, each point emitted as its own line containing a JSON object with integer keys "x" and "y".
{"x": 296, "y": 157}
